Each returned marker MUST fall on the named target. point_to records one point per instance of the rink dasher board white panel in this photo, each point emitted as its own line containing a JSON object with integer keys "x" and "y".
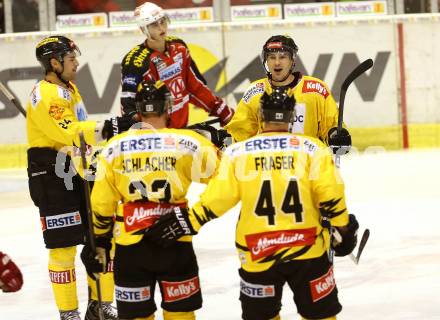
{"x": 101, "y": 49}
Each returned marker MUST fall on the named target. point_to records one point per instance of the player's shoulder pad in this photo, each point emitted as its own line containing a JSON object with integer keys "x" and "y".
{"x": 314, "y": 85}
{"x": 255, "y": 88}
{"x": 111, "y": 149}
{"x": 137, "y": 57}
{"x": 191, "y": 140}
{"x": 174, "y": 39}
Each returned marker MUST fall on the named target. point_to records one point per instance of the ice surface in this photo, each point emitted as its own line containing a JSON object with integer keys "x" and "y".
{"x": 395, "y": 194}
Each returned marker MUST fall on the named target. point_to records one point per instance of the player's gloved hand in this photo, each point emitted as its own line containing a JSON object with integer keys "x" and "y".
{"x": 116, "y": 125}
{"x": 339, "y": 142}
{"x": 349, "y": 237}
{"x": 219, "y": 137}
{"x": 97, "y": 262}
{"x": 11, "y": 279}
{"x": 170, "y": 227}
{"x": 222, "y": 111}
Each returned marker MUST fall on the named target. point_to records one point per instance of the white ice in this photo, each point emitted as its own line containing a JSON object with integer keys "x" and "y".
{"x": 395, "y": 194}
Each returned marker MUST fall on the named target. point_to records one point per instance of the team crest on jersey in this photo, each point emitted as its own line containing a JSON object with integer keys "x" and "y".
{"x": 322, "y": 286}
{"x": 266, "y": 243}
{"x": 56, "y": 112}
{"x": 257, "y": 88}
{"x": 312, "y": 86}
{"x": 257, "y": 290}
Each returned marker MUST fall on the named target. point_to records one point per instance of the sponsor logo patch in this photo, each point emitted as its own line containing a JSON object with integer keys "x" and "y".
{"x": 142, "y": 215}
{"x": 266, "y": 243}
{"x": 130, "y": 80}
{"x": 257, "y": 88}
{"x": 125, "y": 294}
{"x": 174, "y": 291}
{"x": 61, "y": 221}
{"x": 257, "y": 290}
{"x": 170, "y": 71}
{"x": 311, "y": 86}
{"x": 56, "y": 112}
{"x": 62, "y": 277}
{"x": 322, "y": 286}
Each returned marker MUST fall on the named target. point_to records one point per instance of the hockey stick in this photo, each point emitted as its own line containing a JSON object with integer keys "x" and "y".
{"x": 358, "y": 71}
{"x": 204, "y": 123}
{"x": 83, "y": 150}
{"x": 362, "y": 244}
{"x": 11, "y": 98}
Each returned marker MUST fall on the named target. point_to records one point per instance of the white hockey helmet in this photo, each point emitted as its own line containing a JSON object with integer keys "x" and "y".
{"x": 147, "y": 14}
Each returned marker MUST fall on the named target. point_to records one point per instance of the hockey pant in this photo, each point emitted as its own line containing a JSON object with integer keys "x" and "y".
{"x": 63, "y": 278}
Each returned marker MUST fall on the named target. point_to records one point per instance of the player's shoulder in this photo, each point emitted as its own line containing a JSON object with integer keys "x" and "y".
{"x": 175, "y": 40}
{"x": 311, "y": 84}
{"x": 256, "y": 88}
{"x": 190, "y": 140}
{"x": 136, "y": 57}
{"x": 51, "y": 92}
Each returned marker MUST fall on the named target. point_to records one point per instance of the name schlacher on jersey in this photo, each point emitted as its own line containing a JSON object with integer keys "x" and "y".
{"x": 138, "y": 164}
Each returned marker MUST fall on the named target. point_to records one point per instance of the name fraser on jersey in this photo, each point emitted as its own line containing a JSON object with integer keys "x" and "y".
{"x": 274, "y": 163}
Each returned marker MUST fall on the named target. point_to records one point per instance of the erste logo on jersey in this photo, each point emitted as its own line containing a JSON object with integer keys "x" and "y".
{"x": 311, "y": 86}
{"x": 270, "y": 143}
{"x": 322, "y": 286}
{"x": 257, "y": 290}
{"x": 125, "y": 294}
{"x": 266, "y": 243}
{"x": 174, "y": 291}
{"x": 61, "y": 221}
{"x": 257, "y": 88}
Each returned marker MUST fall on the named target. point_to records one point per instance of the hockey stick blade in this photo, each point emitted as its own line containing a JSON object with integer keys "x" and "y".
{"x": 11, "y": 98}
{"x": 362, "y": 244}
{"x": 359, "y": 70}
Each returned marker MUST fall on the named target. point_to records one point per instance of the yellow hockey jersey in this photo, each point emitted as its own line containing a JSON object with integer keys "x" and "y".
{"x": 142, "y": 173}
{"x": 284, "y": 182}
{"x": 316, "y": 111}
{"x": 56, "y": 115}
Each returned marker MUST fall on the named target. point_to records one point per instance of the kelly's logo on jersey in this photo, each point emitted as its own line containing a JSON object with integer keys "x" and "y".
{"x": 314, "y": 86}
{"x": 174, "y": 291}
{"x": 322, "y": 286}
{"x": 257, "y": 290}
{"x": 266, "y": 243}
{"x": 61, "y": 221}
{"x": 125, "y": 294}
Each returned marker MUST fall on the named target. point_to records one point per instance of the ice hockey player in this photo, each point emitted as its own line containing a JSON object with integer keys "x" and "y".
{"x": 166, "y": 58}
{"x": 286, "y": 184}
{"x": 11, "y": 279}
{"x": 141, "y": 175}
{"x": 316, "y": 112}
{"x": 55, "y": 116}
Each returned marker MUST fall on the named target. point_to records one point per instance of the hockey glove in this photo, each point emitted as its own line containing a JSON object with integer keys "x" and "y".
{"x": 349, "y": 237}
{"x": 339, "y": 142}
{"x": 11, "y": 279}
{"x": 97, "y": 262}
{"x": 222, "y": 111}
{"x": 116, "y": 125}
{"x": 219, "y": 137}
{"x": 170, "y": 227}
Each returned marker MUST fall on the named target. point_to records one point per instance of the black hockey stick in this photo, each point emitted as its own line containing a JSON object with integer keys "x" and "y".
{"x": 357, "y": 72}
{"x": 83, "y": 151}
{"x": 365, "y": 236}
{"x": 204, "y": 123}
{"x": 11, "y": 98}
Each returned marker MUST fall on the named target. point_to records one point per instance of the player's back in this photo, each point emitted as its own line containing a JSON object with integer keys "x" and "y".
{"x": 282, "y": 178}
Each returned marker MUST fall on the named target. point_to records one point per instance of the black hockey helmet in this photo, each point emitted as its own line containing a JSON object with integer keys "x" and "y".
{"x": 277, "y": 106}
{"x": 153, "y": 97}
{"x": 54, "y": 47}
{"x": 279, "y": 43}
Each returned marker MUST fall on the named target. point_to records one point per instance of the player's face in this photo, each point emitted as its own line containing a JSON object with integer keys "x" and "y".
{"x": 279, "y": 64}
{"x": 158, "y": 30}
{"x": 70, "y": 66}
